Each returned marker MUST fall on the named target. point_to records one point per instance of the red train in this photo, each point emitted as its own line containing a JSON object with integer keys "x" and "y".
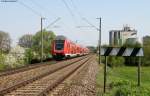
{"x": 64, "y": 48}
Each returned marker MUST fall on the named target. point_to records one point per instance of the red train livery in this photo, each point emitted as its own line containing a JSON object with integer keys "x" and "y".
{"x": 64, "y": 48}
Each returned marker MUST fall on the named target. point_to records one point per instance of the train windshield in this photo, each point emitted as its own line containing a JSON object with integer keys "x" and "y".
{"x": 59, "y": 44}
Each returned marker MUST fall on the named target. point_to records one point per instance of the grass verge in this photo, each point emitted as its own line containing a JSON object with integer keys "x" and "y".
{"x": 122, "y": 81}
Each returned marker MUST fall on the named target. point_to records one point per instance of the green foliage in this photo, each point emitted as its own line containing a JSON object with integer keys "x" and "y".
{"x": 128, "y": 88}
{"x": 122, "y": 81}
{"x": 146, "y": 59}
{"x": 137, "y": 44}
{"x": 115, "y": 61}
{"x": 48, "y": 37}
{"x": 2, "y": 60}
{"x": 146, "y": 46}
{"x": 29, "y": 56}
{"x": 92, "y": 49}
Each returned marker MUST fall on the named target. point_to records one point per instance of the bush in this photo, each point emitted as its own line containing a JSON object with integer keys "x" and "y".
{"x": 15, "y": 58}
{"x": 132, "y": 91}
{"x": 115, "y": 61}
{"x": 146, "y": 62}
{"x": 2, "y": 60}
{"x": 119, "y": 83}
{"x": 128, "y": 88}
{"x": 28, "y": 56}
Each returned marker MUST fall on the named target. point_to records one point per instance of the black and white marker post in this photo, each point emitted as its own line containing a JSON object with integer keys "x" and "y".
{"x": 122, "y": 51}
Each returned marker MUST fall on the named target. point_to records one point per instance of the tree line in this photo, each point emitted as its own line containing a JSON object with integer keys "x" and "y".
{"x": 27, "y": 50}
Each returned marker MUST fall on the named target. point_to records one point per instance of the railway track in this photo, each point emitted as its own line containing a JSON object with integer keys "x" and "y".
{"x": 82, "y": 83}
{"x": 20, "y": 80}
{"x": 58, "y": 91}
{"x": 28, "y": 67}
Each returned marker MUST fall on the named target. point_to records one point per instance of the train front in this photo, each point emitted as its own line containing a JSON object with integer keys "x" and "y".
{"x": 58, "y": 47}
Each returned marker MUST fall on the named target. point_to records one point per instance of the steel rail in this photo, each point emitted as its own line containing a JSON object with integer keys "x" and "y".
{"x": 23, "y": 83}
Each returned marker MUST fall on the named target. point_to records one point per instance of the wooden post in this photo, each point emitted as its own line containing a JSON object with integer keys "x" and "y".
{"x": 105, "y": 74}
{"x": 139, "y": 72}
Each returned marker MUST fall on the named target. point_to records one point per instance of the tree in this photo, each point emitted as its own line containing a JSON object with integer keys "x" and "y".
{"x": 146, "y": 47}
{"x": 137, "y": 44}
{"x": 15, "y": 57}
{"x": 26, "y": 41}
{"x": 92, "y": 49}
{"x": 5, "y": 42}
{"x": 48, "y": 37}
{"x": 2, "y": 61}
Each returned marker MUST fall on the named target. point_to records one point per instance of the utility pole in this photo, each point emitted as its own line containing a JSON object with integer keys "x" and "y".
{"x": 42, "y": 38}
{"x": 99, "y": 43}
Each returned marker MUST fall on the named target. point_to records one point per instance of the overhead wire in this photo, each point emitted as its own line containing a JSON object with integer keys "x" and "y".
{"x": 75, "y": 7}
{"x": 41, "y": 7}
{"x": 30, "y": 8}
{"x": 70, "y": 12}
{"x": 52, "y": 23}
{"x": 90, "y": 23}
{"x": 44, "y": 8}
{"x": 54, "y": 14}
{"x": 81, "y": 16}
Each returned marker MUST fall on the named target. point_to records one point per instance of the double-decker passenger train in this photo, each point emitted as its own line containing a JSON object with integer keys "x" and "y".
{"x": 64, "y": 48}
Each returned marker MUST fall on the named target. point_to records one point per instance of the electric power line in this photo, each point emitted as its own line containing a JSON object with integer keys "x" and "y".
{"x": 75, "y": 7}
{"x": 90, "y": 23}
{"x": 54, "y": 14}
{"x": 52, "y": 23}
{"x": 70, "y": 11}
{"x": 82, "y": 17}
{"x": 42, "y": 7}
{"x": 30, "y": 8}
{"x": 37, "y": 4}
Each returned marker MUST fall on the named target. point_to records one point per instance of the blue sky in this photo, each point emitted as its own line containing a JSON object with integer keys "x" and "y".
{"x": 18, "y": 20}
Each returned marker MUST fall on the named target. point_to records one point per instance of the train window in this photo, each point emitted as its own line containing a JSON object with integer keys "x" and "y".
{"x": 59, "y": 44}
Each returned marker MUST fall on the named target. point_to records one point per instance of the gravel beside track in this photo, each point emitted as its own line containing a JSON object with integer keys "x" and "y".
{"x": 14, "y": 79}
{"x": 81, "y": 83}
{"x": 42, "y": 85}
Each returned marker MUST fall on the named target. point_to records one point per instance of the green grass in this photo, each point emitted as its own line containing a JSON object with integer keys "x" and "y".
{"x": 123, "y": 74}
{"x": 130, "y": 73}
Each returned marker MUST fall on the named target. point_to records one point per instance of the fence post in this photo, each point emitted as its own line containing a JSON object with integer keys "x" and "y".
{"x": 105, "y": 74}
{"x": 139, "y": 72}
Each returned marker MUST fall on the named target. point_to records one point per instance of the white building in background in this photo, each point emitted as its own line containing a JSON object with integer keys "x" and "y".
{"x": 120, "y": 37}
